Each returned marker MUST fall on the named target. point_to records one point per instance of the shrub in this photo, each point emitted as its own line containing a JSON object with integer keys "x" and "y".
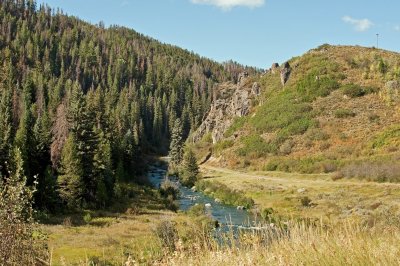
{"x": 305, "y": 201}
{"x": 344, "y": 113}
{"x": 267, "y": 215}
{"x": 373, "y": 171}
{"x": 222, "y": 145}
{"x": 197, "y": 210}
{"x": 169, "y": 189}
{"x": 255, "y": 146}
{"x": 224, "y": 193}
{"x": 87, "y": 218}
{"x": 20, "y": 242}
{"x": 238, "y": 123}
{"x": 354, "y": 91}
{"x": 167, "y": 234}
{"x": 390, "y": 136}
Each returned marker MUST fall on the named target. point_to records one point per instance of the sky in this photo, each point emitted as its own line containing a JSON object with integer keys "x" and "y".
{"x": 251, "y": 32}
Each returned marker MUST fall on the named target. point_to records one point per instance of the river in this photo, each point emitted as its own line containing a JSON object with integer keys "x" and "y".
{"x": 224, "y": 214}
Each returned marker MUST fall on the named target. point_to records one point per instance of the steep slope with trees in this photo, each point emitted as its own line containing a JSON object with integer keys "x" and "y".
{"x": 84, "y": 103}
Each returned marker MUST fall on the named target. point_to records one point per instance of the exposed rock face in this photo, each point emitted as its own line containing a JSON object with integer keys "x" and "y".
{"x": 242, "y": 78}
{"x": 274, "y": 68}
{"x": 232, "y": 101}
{"x": 255, "y": 89}
{"x": 285, "y": 73}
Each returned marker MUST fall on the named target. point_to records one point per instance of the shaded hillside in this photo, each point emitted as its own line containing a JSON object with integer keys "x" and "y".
{"x": 339, "y": 107}
{"x": 82, "y": 103}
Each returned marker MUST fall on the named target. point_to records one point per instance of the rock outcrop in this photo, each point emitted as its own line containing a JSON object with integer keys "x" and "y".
{"x": 285, "y": 73}
{"x": 274, "y": 68}
{"x": 231, "y": 101}
{"x": 242, "y": 78}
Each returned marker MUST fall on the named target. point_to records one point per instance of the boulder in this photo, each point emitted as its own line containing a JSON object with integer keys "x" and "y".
{"x": 240, "y": 208}
{"x": 207, "y": 205}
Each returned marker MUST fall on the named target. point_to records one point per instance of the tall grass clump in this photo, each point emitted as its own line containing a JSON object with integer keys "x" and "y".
{"x": 300, "y": 243}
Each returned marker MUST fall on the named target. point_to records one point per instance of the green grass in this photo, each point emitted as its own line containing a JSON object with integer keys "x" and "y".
{"x": 238, "y": 123}
{"x": 222, "y": 145}
{"x": 389, "y": 137}
{"x": 224, "y": 193}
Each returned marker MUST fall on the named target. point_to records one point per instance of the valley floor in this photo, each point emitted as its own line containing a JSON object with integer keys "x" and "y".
{"x": 328, "y": 200}
{"x": 343, "y": 222}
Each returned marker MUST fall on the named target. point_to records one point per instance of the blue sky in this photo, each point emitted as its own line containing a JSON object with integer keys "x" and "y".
{"x": 252, "y": 32}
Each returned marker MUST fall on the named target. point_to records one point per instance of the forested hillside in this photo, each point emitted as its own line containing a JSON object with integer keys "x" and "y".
{"x": 83, "y": 103}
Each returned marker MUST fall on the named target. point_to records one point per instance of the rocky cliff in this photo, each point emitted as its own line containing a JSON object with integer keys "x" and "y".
{"x": 230, "y": 101}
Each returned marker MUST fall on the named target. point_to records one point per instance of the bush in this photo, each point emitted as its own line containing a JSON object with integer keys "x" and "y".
{"x": 197, "y": 210}
{"x": 222, "y": 145}
{"x": 255, "y": 146}
{"x": 389, "y": 137}
{"x": 238, "y": 123}
{"x": 87, "y": 218}
{"x": 167, "y": 234}
{"x": 344, "y": 113}
{"x": 305, "y": 201}
{"x": 373, "y": 171}
{"x": 354, "y": 91}
{"x": 169, "y": 189}
{"x": 20, "y": 242}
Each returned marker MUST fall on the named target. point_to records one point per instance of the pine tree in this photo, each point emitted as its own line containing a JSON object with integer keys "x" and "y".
{"x": 5, "y": 131}
{"x": 82, "y": 127}
{"x": 70, "y": 182}
{"x": 190, "y": 169}
{"x": 176, "y": 146}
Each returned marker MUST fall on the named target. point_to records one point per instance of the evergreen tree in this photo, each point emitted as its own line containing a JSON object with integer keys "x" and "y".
{"x": 190, "y": 169}
{"x": 176, "y": 146}
{"x": 5, "y": 131}
{"x": 70, "y": 182}
{"x": 82, "y": 128}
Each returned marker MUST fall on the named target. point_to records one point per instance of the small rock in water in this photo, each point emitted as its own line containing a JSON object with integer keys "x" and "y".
{"x": 207, "y": 205}
{"x": 240, "y": 208}
{"x": 193, "y": 189}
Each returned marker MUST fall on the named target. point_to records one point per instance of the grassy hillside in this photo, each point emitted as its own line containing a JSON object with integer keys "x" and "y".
{"x": 335, "y": 113}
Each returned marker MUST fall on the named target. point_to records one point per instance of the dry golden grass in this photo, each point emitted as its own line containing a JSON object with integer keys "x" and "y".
{"x": 301, "y": 244}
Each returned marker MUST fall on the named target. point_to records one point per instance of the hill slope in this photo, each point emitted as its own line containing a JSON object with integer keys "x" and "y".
{"x": 90, "y": 101}
{"x": 339, "y": 108}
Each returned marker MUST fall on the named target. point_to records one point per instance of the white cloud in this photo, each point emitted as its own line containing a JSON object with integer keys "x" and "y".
{"x": 359, "y": 24}
{"x": 228, "y": 4}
